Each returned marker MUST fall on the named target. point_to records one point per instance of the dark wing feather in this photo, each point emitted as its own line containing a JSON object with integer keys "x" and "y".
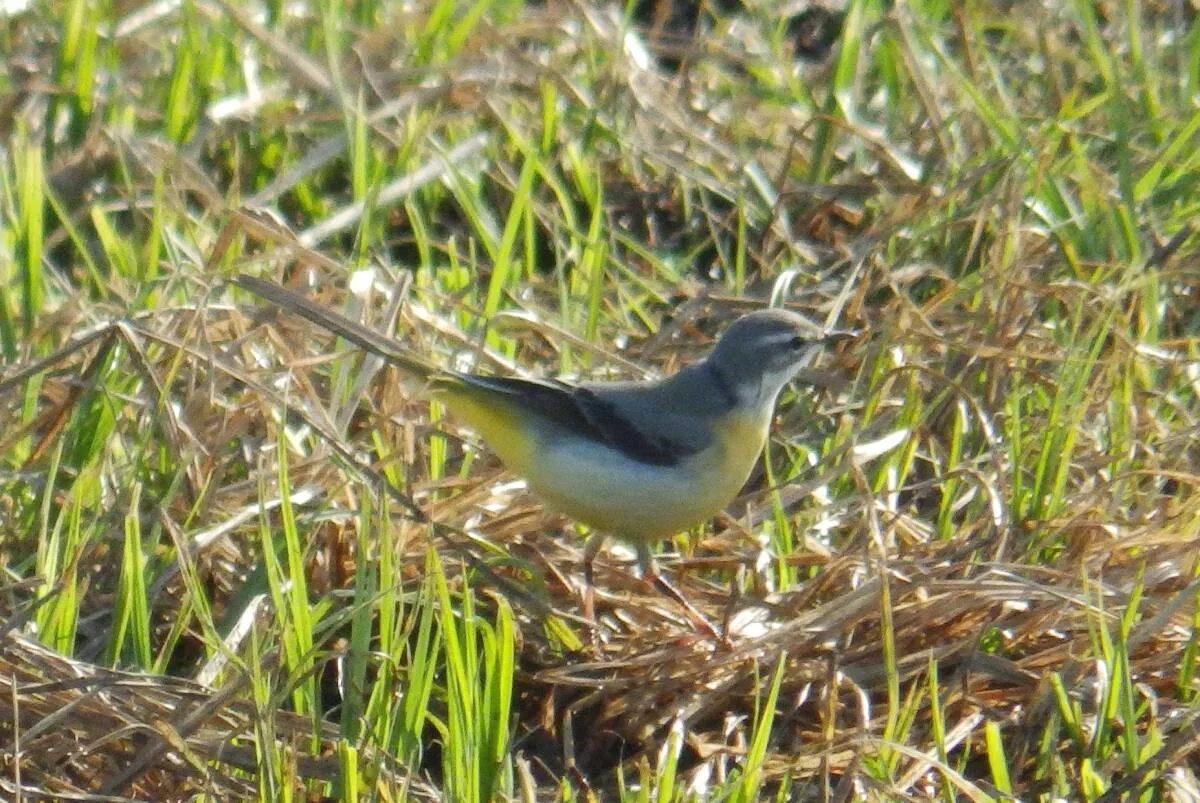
{"x": 587, "y": 414}
{"x": 619, "y": 431}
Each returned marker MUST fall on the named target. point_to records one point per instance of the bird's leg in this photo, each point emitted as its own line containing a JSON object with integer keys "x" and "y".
{"x": 650, "y": 574}
{"x": 591, "y": 548}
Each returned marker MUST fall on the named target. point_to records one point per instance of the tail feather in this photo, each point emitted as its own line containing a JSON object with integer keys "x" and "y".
{"x": 374, "y": 342}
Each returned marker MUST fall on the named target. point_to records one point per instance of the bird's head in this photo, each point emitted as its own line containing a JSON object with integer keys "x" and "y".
{"x": 762, "y": 351}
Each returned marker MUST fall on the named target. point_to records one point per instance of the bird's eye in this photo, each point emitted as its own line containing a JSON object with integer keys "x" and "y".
{"x": 798, "y": 342}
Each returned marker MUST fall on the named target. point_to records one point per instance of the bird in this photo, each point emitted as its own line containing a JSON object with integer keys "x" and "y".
{"x": 639, "y": 461}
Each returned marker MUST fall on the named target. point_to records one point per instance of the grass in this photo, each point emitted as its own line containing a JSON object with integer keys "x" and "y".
{"x": 243, "y": 561}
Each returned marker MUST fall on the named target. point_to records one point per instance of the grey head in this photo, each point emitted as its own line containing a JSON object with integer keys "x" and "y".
{"x": 760, "y": 353}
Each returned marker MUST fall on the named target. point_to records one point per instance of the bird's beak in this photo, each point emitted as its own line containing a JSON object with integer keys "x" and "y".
{"x": 834, "y": 336}
{"x": 821, "y": 378}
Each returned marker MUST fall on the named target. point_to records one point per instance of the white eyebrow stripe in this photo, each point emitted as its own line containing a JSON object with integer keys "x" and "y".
{"x": 780, "y": 337}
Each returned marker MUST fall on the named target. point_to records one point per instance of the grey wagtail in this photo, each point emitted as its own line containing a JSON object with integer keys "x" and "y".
{"x": 640, "y": 461}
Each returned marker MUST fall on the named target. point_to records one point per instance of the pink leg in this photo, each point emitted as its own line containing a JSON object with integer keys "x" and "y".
{"x": 591, "y": 548}
{"x": 699, "y": 620}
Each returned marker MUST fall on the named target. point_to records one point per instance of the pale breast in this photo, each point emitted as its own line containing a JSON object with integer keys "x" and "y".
{"x": 638, "y": 501}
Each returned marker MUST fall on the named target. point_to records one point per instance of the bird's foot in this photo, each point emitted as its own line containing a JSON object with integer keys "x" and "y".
{"x": 699, "y": 621}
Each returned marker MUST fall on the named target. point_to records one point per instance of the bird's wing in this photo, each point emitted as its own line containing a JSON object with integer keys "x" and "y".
{"x": 622, "y": 417}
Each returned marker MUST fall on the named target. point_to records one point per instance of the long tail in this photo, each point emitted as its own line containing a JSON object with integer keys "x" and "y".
{"x": 372, "y": 341}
